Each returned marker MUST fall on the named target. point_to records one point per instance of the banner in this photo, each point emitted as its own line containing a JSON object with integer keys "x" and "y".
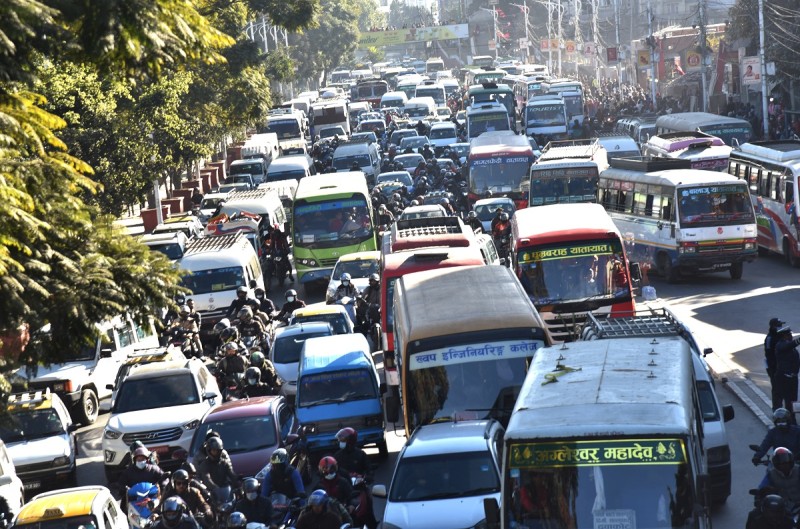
{"x": 589, "y": 49}
{"x": 751, "y": 71}
{"x": 570, "y": 46}
{"x": 692, "y": 60}
{"x": 643, "y": 58}
{"x": 402, "y": 36}
{"x": 611, "y": 54}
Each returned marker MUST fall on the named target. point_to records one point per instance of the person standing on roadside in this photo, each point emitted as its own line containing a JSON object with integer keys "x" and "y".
{"x": 769, "y": 356}
{"x": 787, "y": 366}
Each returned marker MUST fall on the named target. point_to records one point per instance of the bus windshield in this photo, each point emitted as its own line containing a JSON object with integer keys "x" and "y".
{"x": 504, "y": 98}
{"x": 546, "y": 115}
{"x": 563, "y": 184}
{"x": 214, "y": 280}
{"x": 499, "y": 175}
{"x": 328, "y": 223}
{"x": 441, "y": 383}
{"x": 714, "y": 205}
{"x": 574, "y": 104}
{"x": 487, "y": 122}
{"x": 336, "y": 387}
{"x": 578, "y": 271}
{"x": 585, "y": 495}
{"x": 284, "y": 128}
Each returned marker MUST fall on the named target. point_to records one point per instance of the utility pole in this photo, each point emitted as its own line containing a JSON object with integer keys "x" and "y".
{"x": 493, "y": 11}
{"x": 549, "y": 37}
{"x": 616, "y": 36}
{"x": 524, "y": 8}
{"x": 595, "y": 7}
{"x": 763, "y": 60}
{"x": 703, "y": 106}
{"x": 651, "y": 41}
{"x": 560, "y": 35}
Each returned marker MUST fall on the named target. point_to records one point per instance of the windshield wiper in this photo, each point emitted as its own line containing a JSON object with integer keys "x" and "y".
{"x": 337, "y": 400}
{"x": 441, "y": 496}
{"x": 480, "y": 490}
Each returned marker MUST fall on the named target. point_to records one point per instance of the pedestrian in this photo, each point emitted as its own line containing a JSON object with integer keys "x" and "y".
{"x": 769, "y": 356}
{"x": 787, "y": 364}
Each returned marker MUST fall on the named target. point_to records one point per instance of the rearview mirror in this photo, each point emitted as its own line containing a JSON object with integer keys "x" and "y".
{"x": 109, "y": 386}
{"x": 491, "y": 512}
{"x": 210, "y": 395}
{"x": 727, "y": 412}
{"x": 636, "y": 272}
{"x": 105, "y": 352}
{"x": 379, "y": 491}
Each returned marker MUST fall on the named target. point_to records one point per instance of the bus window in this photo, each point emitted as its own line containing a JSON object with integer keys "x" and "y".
{"x": 789, "y": 195}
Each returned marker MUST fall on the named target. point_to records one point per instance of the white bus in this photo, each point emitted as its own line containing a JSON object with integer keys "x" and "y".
{"x": 433, "y": 65}
{"x": 486, "y": 117}
{"x": 606, "y": 434}
{"x": 546, "y": 118}
{"x": 732, "y": 131}
{"x": 677, "y": 220}
{"x": 771, "y": 169}
{"x": 571, "y": 92}
{"x": 567, "y": 172}
{"x": 702, "y": 150}
{"x": 330, "y": 113}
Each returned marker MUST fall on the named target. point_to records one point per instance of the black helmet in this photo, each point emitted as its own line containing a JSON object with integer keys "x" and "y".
{"x": 180, "y": 299}
{"x": 172, "y": 511}
{"x": 237, "y": 520}
{"x": 375, "y": 277}
{"x": 250, "y": 485}
{"x": 245, "y": 314}
{"x": 180, "y": 475}
{"x": 189, "y": 468}
{"x": 135, "y": 445}
{"x": 260, "y": 293}
{"x": 221, "y": 325}
{"x": 503, "y": 217}
{"x": 291, "y": 292}
{"x": 781, "y": 417}
{"x": 774, "y": 507}
{"x": 214, "y": 443}
{"x": 241, "y": 290}
{"x": 228, "y": 335}
{"x": 472, "y": 215}
{"x": 783, "y": 460}
{"x": 252, "y": 373}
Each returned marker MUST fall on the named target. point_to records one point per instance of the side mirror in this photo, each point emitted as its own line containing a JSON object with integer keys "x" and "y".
{"x": 383, "y": 388}
{"x": 106, "y": 352}
{"x": 72, "y": 428}
{"x": 707, "y": 351}
{"x": 379, "y": 491}
{"x": 727, "y": 413}
{"x": 109, "y": 386}
{"x": 636, "y": 271}
{"x": 210, "y": 395}
{"x": 491, "y": 511}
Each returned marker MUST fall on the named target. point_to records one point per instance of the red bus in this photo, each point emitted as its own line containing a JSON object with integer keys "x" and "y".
{"x": 500, "y": 162}
{"x": 424, "y": 232}
{"x": 371, "y": 91}
{"x": 570, "y": 259}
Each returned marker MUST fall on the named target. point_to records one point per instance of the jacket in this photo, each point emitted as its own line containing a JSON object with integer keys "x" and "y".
{"x": 788, "y": 437}
{"x": 217, "y": 473}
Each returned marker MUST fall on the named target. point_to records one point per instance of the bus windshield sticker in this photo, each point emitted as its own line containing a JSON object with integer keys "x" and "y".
{"x": 712, "y": 190}
{"x": 598, "y": 453}
{"x": 473, "y": 352}
{"x": 566, "y": 252}
{"x": 614, "y": 519}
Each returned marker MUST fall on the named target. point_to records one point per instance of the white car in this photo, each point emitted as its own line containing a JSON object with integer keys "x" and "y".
{"x": 160, "y": 404}
{"x": 359, "y": 265}
{"x": 286, "y": 348}
{"x": 443, "y": 474}
{"x": 418, "y": 212}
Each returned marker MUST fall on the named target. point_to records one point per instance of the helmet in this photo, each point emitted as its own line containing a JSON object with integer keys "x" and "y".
{"x": 180, "y": 475}
{"x": 375, "y": 277}
{"x": 237, "y": 520}
{"x": 245, "y": 314}
{"x": 328, "y": 465}
{"x": 221, "y": 325}
{"x": 250, "y": 485}
{"x": 291, "y": 292}
{"x": 345, "y": 277}
{"x": 172, "y": 510}
{"x": 487, "y": 193}
{"x": 259, "y": 292}
{"x": 503, "y": 217}
{"x": 185, "y": 310}
{"x": 230, "y": 347}
{"x": 228, "y": 335}
{"x": 318, "y": 497}
{"x": 141, "y": 451}
{"x": 279, "y": 456}
{"x": 774, "y": 507}
{"x": 781, "y": 417}
{"x": 189, "y": 468}
{"x": 252, "y": 373}
{"x": 214, "y": 443}
{"x": 472, "y": 215}
{"x": 445, "y": 201}
{"x": 257, "y": 358}
{"x": 414, "y": 203}
{"x": 347, "y": 435}
{"x": 180, "y": 299}
{"x": 382, "y": 207}
{"x": 135, "y": 445}
{"x": 241, "y": 290}
{"x": 783, "y": 460}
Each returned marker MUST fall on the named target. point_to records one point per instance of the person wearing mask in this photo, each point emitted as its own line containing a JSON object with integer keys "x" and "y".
{"x": 769, "y": 357}
{"x": 334, "y": 484}
{"x": 265, "y": 304}
{"x": 232, "y": 364}
{"x": 783, "y": 434}
{"x": 279, "y": 245}
{"x": 292, "y": 304}
{"x": 269, "y": 375}
{"x": 239, "y": 303}
{"x": 250, "y": 326}
{"x": 174, "y": 515}
{"x": 345, "y": 289}
{"x": 141, "y": 470}
{"x": 385, "y": 217}
{"x": 282, "y": 477}
{"x": 787, "y": 365}
{"x": 193, "y": 497}
{"x": 318, "y": 514}
{"x": 474, "y": 222}
{"x": 255, "y": 508}
{"x": 502, "y": 228}
{"x": 253, "y": 387}
{"x": 351, "y": 458}
{"x": 216, "y": 471}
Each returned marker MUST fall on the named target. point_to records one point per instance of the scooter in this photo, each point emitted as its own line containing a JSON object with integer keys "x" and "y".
{"x": 361, "y": 502}
{"x": 142, "y": 503}
{"x": 349, "y": 305}
{"x": 284, "y": 511}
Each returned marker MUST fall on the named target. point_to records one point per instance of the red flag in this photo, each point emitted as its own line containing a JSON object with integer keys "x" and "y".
{"x": 500, "y": 12}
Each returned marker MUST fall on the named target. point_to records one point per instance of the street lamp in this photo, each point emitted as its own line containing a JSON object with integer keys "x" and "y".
{"x": 524, "y": 8}
{"x": 493, "y": 11}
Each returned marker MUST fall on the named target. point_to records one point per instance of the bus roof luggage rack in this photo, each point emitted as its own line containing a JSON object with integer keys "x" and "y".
{"x": 691, "y": 139}
{"x": 427, "y": 226}
{"x": 778, "y": 150}
{"x": 212, "y": 244}
{"x": 653, "y": 322}
{"x": 649, "y": 164}
{"x": 556, "y": 150}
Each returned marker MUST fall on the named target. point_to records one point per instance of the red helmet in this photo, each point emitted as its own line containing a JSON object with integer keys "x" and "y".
{"x": 328, "y": 465}
{"x": 347, "y": 435}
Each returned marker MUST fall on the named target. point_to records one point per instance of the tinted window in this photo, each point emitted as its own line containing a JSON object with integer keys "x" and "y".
{"x": 216, "y": 280}
{"x": 33, "y": 424}
{"x": 244, "y": 434}
{"x": 286, "y": 349}
{"x": 156, "y": 392}
{"x": 708, "y": 404}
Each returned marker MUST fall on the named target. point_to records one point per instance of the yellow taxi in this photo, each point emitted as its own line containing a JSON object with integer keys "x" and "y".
{"x": 336, "y": 315}
{"x": 75, "y": 508}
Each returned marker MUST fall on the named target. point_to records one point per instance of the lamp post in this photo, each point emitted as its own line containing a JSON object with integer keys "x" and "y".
{"x": 524, "y": 8}
{"x": 493, "y": 11}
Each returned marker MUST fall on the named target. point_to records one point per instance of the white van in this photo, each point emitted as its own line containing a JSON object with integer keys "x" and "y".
{"x": 393, "y": 99}
{"x": 420, "y": 108}
{"x": 434, "y": 90}
{"x": 363, "y": 152}
{"x": 264, "y": 202}
{"x": 255, "y": 167}
{"x": 289, "y": 168}
{"x": 443, "y": 134}
{"x": 264, "y": 146}
{"x": 217, "y": 266}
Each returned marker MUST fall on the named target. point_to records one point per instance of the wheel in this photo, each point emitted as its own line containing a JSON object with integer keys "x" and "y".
{"x": 383, "y": 450}
{"x": 87, "y": 408}
{"x": 736, "y": 271}
{"x": 789, "y": 255}
{"x": 666, "y": 270}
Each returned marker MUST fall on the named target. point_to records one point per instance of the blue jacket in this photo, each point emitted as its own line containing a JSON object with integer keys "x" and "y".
{"x": 290, "y": 483}
{"x": 788, "y": 437}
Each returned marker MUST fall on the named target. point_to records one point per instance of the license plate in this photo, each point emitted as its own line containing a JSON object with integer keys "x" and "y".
{"x": 160, "y": 449}
{"x": 30, "y": 485}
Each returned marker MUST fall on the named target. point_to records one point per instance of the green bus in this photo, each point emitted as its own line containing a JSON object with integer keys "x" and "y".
{"x": 332, "y": 216}
{"x": 492, "y": 91}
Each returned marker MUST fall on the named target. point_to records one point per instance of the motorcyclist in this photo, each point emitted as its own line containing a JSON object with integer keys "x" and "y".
{"x": 239, "y": 303}
{"x": 448, "y": 207}
{"x": 192, "y": 496}
{"x": 770, "y": 514}
{"x": 141, "y": 470}
{"x": 254, "y": 507}
{"x": 385, "y": 217}
{"x": 335, "y": 484}
{"x": 783, "y": 476}
{"x": 279, "y": 245}
{"x": 195, "y": 483}
{"x": 783, "y": 434}
{"x": 292, "y": 304}
{"x": 236, "y": 520}
{"x": 351, "y": 458}
{"x": 250, "y": 326}
{"x": 265, "y": 304}
{"x": 216, "y": 471}
{"x": 474, "y": 222}
{"x": 396, "y": 204}
{"x": 174, "y": 515}
{"x": 269, "y": 375}
{"x": 427, "y": 152}
{"x": 502, "y": 228}
{"x": 345, "y": 289}
{"x": 232, "y": 364}
{"x": 185, "y": 325}
{"x": 253, "y": 387}
{"x": 230, "y": 335}
{"x": 282, "y": 477}
{"x": 318, "y": 514}
{"x": 497, "y": 214}
{"x": 370, "y": 300}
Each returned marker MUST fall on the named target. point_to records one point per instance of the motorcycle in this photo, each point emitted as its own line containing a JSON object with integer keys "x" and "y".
{"x": 277, "y": 266}
{"x": 142, "y": 503}
{"x": 360, "y": 504}
{"x": 503, "y": 247}
{"x": 298, "y": 456}
{"x": 184, "y": 340}
{"x": 222, "y": 501}
{"x": 793, "y": 510}
{"x": 284, "y": 511}
{"x": 349, "y": 305}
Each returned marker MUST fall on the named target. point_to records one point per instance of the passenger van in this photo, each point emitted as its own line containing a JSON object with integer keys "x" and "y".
{"x": 619, "y": 146}
{"x": 393, "y": 99}
{"x": 217, "y": 266}
{"x": 263, "y": 202}
{"x": 289, "y": 168}
{"x": 255, "y": 167}
{"x": 420, "y": 108}
{"x": 431, "y": 89}
{"x": 362, "y": 152}
{"x": 338, "y": 385}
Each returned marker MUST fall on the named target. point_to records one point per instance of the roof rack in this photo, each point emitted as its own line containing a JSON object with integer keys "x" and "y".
{"x": 427, "y": 226}
{"x": 649, "y": 164}
{"x": 778, "y": 150}
{"x": 28, "y": 398}
{"x": 556, "y": 150}
{"x": 214, "y": 244}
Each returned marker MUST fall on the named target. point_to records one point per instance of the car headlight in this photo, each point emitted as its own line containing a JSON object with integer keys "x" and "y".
{"x": 191, "y": 425}
{"x": 310, "y": 428}
{"x": 373, "y": 420}
{"x": 110, "y": 433}
{"x": 308, "y": 262}
{"x": 749, "y": 246}
{"x": 61, "y": 461}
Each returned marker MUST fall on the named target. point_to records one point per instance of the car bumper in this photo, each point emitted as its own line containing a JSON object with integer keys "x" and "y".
{"x": 314, "y": 275}
{"x": 43, "y": 476}
{"x": 116, "y": 453}
{"x": 714, "y": 262}
{"x": 719, "y": 481}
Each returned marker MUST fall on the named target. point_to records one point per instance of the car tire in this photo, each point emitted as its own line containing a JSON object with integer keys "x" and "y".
{"x": 383, "y": 449}
{"x": 87, "y": 407}
{"x": 736, "y": 270}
